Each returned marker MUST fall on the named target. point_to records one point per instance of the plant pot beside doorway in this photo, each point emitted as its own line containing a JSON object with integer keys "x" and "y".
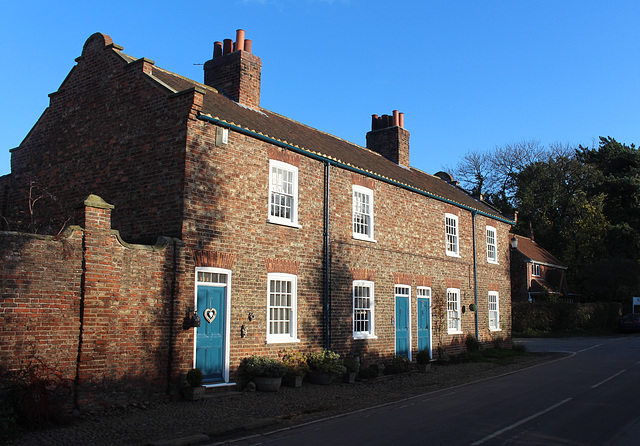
{"x": 292, "y": 380}
{"x": 322, "y": 378}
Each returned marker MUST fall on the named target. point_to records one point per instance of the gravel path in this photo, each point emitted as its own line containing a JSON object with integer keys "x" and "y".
{"x": 236, "y": 414}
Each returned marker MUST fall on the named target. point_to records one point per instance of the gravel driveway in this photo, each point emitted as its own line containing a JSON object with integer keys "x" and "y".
{"x": 237, "y": 414}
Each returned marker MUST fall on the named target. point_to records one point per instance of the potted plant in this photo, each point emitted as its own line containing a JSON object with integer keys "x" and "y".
{"x": 324, "y": 365}
{"x": 266, "y": 372}
{"x": 352, "y": 367}
{"x": 296, "y": 367}
{"x": 423, "y": 361}
{"x": 194, "y": 389}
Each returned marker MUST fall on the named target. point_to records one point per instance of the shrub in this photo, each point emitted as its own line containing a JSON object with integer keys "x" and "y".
{"x": 326, "y": 361}
{"x": 423, "y": 357}
{"x": 295, "y": 362}
{"x": 351, "y": 365}
{"x": 472, "y": 343}
{"x": 194, "y": 377}
{"x": 399, "y": 364}
{"x": 261, "y": 366}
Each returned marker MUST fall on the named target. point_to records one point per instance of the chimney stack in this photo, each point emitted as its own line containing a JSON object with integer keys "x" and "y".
{"x": 234, "y": 71}
{"x": 389, "y": 138}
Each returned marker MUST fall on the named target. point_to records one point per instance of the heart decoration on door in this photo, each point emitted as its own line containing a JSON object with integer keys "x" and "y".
{"x": 210, "y": 314}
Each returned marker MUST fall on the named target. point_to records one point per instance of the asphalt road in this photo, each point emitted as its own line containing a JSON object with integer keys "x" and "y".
{"x": 588, "y": 398}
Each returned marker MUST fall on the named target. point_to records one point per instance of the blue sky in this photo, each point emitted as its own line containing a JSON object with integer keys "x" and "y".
{"x": 468, "y": 75}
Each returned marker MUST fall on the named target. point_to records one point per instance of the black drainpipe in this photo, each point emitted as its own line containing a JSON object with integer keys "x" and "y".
{"x": 475, "y": 272}
{"x": 327, "y": 261}
{"x": 172, "y": 304}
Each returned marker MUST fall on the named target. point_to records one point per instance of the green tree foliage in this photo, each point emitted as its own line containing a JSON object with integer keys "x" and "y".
{"x": 582, "y": 205}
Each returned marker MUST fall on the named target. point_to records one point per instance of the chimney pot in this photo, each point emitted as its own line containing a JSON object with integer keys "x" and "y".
{"x": 217, "y": 49}
{"x": 374, "y": 122}
{"x": 402, "y": 120}
{"x": 240, "y": 39}
{"x": 228, "y": 43}
{"x": 247, "y": 45}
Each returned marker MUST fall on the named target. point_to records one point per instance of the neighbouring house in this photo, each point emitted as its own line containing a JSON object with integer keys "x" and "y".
{"x": 185, "y": 200}
{"x": 536, "y": 275}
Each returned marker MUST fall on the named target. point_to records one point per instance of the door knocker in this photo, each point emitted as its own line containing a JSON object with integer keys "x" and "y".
{"x": 210, "y": 314}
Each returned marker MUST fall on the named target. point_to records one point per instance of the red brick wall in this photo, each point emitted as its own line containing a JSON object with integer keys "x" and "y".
{"x": 128, "y": 150}
{"x": 87, "y": 295}
{"x": 227, "y": 192}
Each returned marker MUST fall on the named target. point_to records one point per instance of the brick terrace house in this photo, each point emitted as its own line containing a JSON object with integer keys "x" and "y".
{"x": 536, "y": 273}
{"x": 275, "y": 234}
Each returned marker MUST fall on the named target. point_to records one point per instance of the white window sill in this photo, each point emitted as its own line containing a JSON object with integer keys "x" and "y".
{"x": 291, "y": 224}
{"x": 453, "y": 254}
{"x": 364, "y": 336}
{"x": 493, "y": 262}
{"x": 282, "y": 340}
{"x": 364, "y": 238}
{"x": 495, "y": 329}
{"x": 454, "y": 332}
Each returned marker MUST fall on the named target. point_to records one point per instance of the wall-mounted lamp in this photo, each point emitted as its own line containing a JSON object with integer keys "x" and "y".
{"x": 514, "y": 242}
{"x": 192, "y": 321}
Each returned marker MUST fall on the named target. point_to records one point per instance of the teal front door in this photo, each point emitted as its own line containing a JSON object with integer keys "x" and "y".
{"x": 402, "y": 323}
{"x": 210, "y": 336}
{"x": 424, "y": 329}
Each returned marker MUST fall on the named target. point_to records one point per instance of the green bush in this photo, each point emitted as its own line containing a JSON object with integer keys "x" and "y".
{"x": 194, "y": 377}
{"x": 368, "y": 373}
{"x": 399, "y": 364}
{"x": 261, "y": 366}
{"x": 549, "y": 317}
{"x": 326, "y": 361}
{"x": 423, "y": 357}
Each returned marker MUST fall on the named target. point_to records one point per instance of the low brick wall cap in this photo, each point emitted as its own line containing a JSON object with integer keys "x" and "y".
{"x": 95, "y": 201}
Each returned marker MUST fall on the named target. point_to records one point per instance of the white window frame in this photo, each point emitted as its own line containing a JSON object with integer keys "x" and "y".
{"x": 276, "y": 168}
{"x": 454, "y": 321}
{"x": 492, "y": 245}
{"x": 536, "y": 270}
{"x": 292, "y": 335}
{"x": 452, "y": 235}
{"x": 362, "y": 308}
{"x": 358, "y": 211}
{"x": 494, "y": 311}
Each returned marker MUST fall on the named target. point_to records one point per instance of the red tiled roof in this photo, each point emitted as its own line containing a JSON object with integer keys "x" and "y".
{"x": 311, "y": 140}
{"x": 535, "y": 252}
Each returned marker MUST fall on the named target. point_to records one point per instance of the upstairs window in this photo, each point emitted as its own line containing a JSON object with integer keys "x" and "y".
{"x": 451, "y": 233}
{"x": 362, "y": 213}
{"x": 494, "y": 314}
{"x": 363, "y": 310}
{"x": 492, "y": 248}
{"x": 283, "y": 193}
{"x": 454, "y": 324}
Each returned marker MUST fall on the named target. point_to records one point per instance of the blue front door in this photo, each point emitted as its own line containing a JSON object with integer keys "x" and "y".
{"x": 424, "y": 330}
{"x": 210, "y": 336}
{"x": 402, "y": 326}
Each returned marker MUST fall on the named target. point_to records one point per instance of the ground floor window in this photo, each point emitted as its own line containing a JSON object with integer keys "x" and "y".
{"x": 494, "y": 315}
{"x": 454, "y": 324}
{"x": 282, "y": 307}
{"x": 363, "y": 310}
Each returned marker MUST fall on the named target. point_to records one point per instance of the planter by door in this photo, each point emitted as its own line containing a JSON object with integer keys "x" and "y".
{"x": 320, "y": 378}
{"x": 193, "y": 393}
{"x": 350, "y": 377}
{"x": 267, "y": 384}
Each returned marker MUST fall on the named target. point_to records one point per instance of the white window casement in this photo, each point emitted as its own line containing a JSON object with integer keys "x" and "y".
{"x": 494, "y": 313}
{"x": 451, "y": 233}
{"x": 454, "y": 325}
{"x": 283, "y": 193}
{"x": 362, "y": 213}
{"x": 363, "y": 310}
{"x": 282, "y": 308}
{"x": 536, "y": 270}
{"x": 492, "y": 245}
